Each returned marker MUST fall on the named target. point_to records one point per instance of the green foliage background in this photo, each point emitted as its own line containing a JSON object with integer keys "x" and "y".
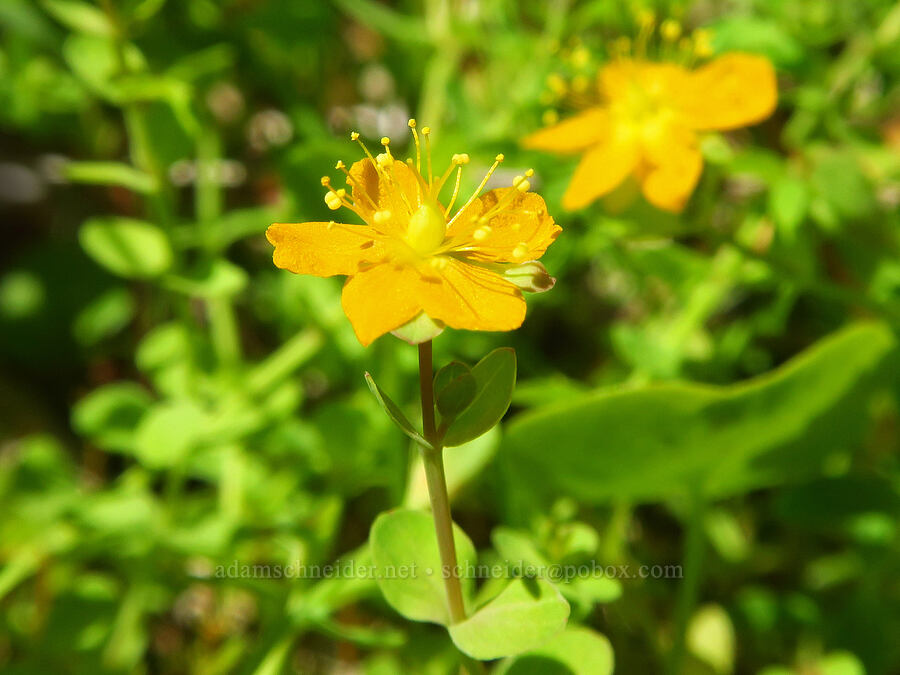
{"x": 172, "y": 405}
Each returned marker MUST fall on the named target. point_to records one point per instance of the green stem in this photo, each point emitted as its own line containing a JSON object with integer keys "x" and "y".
{"x": 690, "y": 585}
{"x": 437, "y": 488}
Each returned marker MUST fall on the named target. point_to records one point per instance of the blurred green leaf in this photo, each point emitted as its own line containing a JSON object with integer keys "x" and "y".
{"x": 104, "y": 317}
{"x": 652, "y": 442}
{"x": 80, "y": 16}
{"x": 408, "y": 564}
{"x": 126, "y": 247}
{"x": 711, "y": 638}
{"x": 110, "y": 173}
{"x": 108, "y": 415}
{"x": 167, "y": 433}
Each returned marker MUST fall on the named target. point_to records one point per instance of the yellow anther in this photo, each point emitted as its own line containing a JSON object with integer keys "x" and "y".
{"x": 381, "y": 217}
{"x": 499, "y": 158}
{"x": 411, "y": 123}
{"x": 385, "y": 141}
{"x": 340, "y": 164}
{"x": 326, "y": 181}
{"x": 670, "y": 30}
{"x": 581, "y": 57}
{"x": 481, "y": 233}
{"x": 520, "y": 252}
{"x": 529, "y": 173}
{"x": 354, "y": 135}
{"x": 646, "y": 18}
{"x": 438, "y": 262}
{"x": 621, "y": 46}
{"x": 333, "y": 201}
{"x": 384, "y": 159}
{"x": 521, "y": 184}
{"x": 330, "y": 225}
{"x": 426, "y": 130}
{"x": 702, "y": 43}
{"x": 461, "y": 158}
{"x": 556, "y": 84}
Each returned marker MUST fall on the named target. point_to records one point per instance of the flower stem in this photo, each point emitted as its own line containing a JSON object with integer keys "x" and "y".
{"x": 690, "y": 585}
{"x": 432, "y": 458}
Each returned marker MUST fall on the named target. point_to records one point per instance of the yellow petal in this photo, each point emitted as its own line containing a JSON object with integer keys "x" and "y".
{"x": 323, "y": 249}
{"x": 669, "y": 180}
{"x": 733, "y": 91}
{"x": 623, "y": 80}
{"x": 393, "y": 190}
{"x": 571, "y": 135}
{"x": 468, "y": 297}
{"x": 600, "y": 171}
{"x": 522, "y": 230}
{"x": 380, "y": 300}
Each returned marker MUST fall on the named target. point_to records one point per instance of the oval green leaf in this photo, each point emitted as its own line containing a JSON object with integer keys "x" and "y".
{"x": 575, "y": 651}
{"x": 525, "y": 615}
{"x": 495, "y": 378}
{"x": 408, "y": 564}
{"x": 127, "y": 247}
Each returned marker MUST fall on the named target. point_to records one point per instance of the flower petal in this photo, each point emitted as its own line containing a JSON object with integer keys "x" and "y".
{"x": 735, "y": 90}
{"x": 672, "y": 171}
{"x": 622, "y": 80}
{"x": 521, "y": 230}
{"x": 469, "y": 297}
{"x": 600, "y": 171}
{"x": 324, "y": 249}
{"x": 394, "y": 189}
{"x": 571, "y": 135}
{"x": 381, "y": 299}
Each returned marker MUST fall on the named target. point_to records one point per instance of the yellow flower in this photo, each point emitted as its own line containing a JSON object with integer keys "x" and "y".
{"x": 648, "y": 122}
{"x": 415, "y": 257}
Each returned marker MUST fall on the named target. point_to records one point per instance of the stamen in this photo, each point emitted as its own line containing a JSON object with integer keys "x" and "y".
{"x": 426, "y": 132}
{"x": 354, "y": 136}
{"x": 350, "y": 179}
{"x": 497, "y": 160}
{"x": 481, "y": 233}
{"x": 457, "y": 160}
{"x": 381, "y": 217}
{"x": 670, "y": 30}
{"x": 415, "y": 135}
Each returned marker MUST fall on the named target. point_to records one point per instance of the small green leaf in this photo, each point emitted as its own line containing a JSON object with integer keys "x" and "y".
{"x": 109, "y": 415}
{"x": 525, "y": 615}
{"x": 454, "y": 389}
{"x": 788, "y": 203}
{"x": 217, "y": 279}
{"x": 110, "y": 173}
{"x": 711, "y": 639}
{"x": 80, "y": 16}
{"x": 408, "y": 564}
{"x": 495, "y": 377}
{"x": 168, "y": 432}
{"x": 393, "y": 411}
{"x": 575, "y": 651}
{"x": 104, "y": 317}
{"x": 126, "y": 247}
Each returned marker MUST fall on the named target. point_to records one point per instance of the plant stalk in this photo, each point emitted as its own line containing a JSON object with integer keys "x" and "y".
{"x": 432, "y": 458}
{"x": 690, "y": 585}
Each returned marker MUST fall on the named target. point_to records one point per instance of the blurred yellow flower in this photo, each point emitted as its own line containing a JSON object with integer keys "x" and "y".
{"x": 412, "y": 257}
{"x": 648, "y": 122}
